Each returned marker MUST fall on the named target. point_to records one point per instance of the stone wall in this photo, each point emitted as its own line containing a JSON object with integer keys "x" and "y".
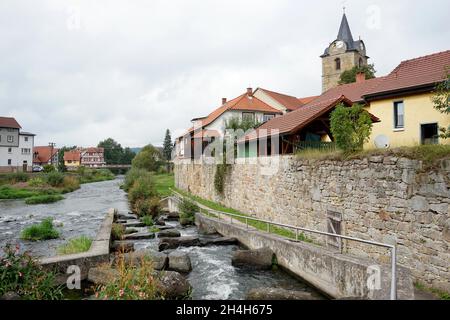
{"x": 386, "y": 199}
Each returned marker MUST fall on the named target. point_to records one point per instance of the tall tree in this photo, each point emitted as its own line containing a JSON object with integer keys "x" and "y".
{"x": 113, "y": 151}
{"x": 148, "y": 159}
{"x": 349, "y": 76}
{"x": 127, "y": 156}
{"x": 168, "y": 146}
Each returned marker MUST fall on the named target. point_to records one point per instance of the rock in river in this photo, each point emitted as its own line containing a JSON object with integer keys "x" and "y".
{"x": 139, "y": 236}
{"x": 173, "y": 216}
{"x": 102, "y": 275}
{"x": 260, "y": 259}
{"x": 173, "y": 285}
{"x": 223, "y": 241}
{"x": 169, "y": 233}
{"x": 173, "y": 243}
{"x": 158, "y": 259}
{"x": 134, "y": 224}
{"x": 179, "y": 261}
{"x": 278, "y": 294}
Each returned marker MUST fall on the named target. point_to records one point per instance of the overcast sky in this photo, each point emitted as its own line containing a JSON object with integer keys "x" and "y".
{"x": 76, "y": 72}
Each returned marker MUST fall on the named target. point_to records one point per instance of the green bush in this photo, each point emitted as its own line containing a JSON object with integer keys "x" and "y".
{"x": 149, "y": 159}
{"x": 21, "y": 274}
{"x": 117, "y": 231}
{"x": 44, "y": 199}
{"x": 147, "y": 207}
{"x": 55, "y": 179}
{"x": 70, "y": 184}
{"x": 188, "y": 209}
{"x": 7, "y": 192}
{"x": 42, "y": 231}
{"x": 147, "y": 220}
{"x": 49, "y": 168}
{"x": 77, "y": 245}
{"x": 132, "y": 175}
{"x": 351, "y": 127}
{"x": 17, "y": 177}
{"x": 36, "y": 182}
{"x": 142, "y": 189}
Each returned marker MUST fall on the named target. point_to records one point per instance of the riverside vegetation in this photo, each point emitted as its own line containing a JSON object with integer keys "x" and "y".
{"x": 47, "y": 187}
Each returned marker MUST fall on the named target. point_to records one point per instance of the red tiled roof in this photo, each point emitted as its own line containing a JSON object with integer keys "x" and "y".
{"x": 427, "y": 70}
{"x": 289, "y": 102}
{"x": 72, "y": 156}
{"x": 199, "y": 134}
{"x": 43, "y": 154}
{"x": 94, "y": 150}
{"x": 7, "y": 122}
{"x": 242, "y": 103}
{"x": 307, "y": 100}
{"x": 352, "y": 91}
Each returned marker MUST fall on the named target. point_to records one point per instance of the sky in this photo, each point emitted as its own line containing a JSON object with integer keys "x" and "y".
{"x": 77, "y": 72}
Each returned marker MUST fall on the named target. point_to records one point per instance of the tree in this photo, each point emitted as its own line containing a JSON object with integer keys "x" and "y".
{"x": 236, "y": 123}
{"x": 61, "y": 165}
{"x": 441, "y": 101}
{"x": 349, "y": 76}
{"x": 351, "y": 127}
{"x": 127, "y": 156}
{"x": 148, "y": 159}
{"x": 167, "y": 147}
{"x": 113, "y": 151}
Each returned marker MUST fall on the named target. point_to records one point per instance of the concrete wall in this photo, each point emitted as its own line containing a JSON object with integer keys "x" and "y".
{"x": 338, "y": 275}
{"x": 97, "y": 254}
{"x": 386, "y": 199}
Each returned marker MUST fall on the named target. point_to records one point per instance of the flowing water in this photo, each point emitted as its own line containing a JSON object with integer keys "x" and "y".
{"x": 81, "y": 213}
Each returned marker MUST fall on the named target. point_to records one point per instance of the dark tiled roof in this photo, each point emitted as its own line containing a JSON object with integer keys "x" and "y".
{"x": 7, "y": 122}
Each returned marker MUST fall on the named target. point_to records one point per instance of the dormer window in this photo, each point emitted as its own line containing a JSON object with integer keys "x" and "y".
{"x": 338, "y": 63}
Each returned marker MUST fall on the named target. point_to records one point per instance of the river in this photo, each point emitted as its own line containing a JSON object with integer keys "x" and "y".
{"x": 81, "y": 212}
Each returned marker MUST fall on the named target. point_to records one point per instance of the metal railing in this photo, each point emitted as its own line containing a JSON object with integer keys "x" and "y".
{"x": 392, "y": 248}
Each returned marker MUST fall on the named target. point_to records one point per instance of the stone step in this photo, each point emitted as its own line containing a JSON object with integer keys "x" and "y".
{"x": 139, "y": 236}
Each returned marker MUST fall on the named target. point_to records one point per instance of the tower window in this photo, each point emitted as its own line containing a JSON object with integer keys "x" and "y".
{"x": 338, "y": 64}
{"x": 361, "y": 62}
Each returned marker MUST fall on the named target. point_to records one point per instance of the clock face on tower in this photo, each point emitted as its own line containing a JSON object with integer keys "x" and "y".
{"x": 340, "y": 44}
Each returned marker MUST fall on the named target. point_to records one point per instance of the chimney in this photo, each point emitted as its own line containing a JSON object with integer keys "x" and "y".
{"x": 250, "y": 92}
{"x": 360, "y": 77}
{"x": 224, "y": 100}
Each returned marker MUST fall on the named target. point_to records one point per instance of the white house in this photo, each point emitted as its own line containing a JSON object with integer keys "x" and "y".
{"x": 16, "y": 147}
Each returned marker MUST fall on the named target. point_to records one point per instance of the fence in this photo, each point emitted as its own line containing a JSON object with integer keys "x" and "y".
{"x": 315, "y": 145}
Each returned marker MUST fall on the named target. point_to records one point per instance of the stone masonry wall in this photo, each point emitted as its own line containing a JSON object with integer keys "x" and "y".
{"x": 386, "y": 199}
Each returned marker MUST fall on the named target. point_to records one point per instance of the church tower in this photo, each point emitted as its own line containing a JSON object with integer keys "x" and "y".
{"x": 343, "y": 54}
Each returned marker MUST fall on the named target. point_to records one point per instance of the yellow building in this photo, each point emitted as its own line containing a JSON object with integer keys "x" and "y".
{"x": 72, "y": 160}
{"x": 402, "y": 101}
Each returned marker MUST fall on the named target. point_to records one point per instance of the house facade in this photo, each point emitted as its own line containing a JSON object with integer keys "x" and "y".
{"x": 16, "y": 147}
{"x": 45, "y": 155}
{"x": 72, "y": 159}
{"x": 93, "y": 157}
{"x": 403, "y": 102}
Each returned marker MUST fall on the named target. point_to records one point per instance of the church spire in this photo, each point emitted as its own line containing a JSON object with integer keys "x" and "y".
{"x": 345, "y": 33}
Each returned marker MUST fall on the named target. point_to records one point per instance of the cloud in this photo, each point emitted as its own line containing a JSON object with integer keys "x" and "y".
{"x": 77, "y": 72}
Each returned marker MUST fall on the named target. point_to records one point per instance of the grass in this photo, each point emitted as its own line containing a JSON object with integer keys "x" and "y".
{"x": 256, "y": 224}
{"x": 76, "y": 245}
{"x": 428, "y": 154}
{"x": 163, "y": 183}
{"x": 153, "y": 229}
{"x": 44, "y": 199}
{"x": 117, "y": 231}
{"x": 439, "y": 293}
{"x": 7, "y": 192}
{"x": 41, "y": 231}
{"x": 147, "y": 220}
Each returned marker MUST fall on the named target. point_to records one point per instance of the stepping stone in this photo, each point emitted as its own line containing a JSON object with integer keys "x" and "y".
{"x": 159, "y": 260}
{"x": 169, "y": 233}
{"x": 122, "y": 246}
{"x": 223, "y": 241}
{"x": 134, "y": 224}
{"x": 122, "y": 216}
{"x": 131, "y": 231}
{"x": 140, "y": 236}
{"x": 173, "y": 216}
{"x": 173, "y": 243}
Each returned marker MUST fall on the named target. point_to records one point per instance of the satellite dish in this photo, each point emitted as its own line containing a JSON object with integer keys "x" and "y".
{"x": 382, "y": 142}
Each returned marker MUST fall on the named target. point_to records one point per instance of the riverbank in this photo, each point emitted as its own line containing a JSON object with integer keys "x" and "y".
{"x": 80, "y": 213}
{"x": 38, "y": 188}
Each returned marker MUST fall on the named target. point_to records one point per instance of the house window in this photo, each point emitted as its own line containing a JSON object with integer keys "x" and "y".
{"x": 429, "y": 133}
{"x": 26, "y": 139}
{"x": 10, "y": 139}
{"x": 338, "y": 63}
{"x": 9, "y": 162}
{"x": 248, "y": 116}
{"x": 399, "y": 115}
{"x": 268, "y": 117}
{"x": 26, "y": 151}
{"x": 9, "y": 150}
